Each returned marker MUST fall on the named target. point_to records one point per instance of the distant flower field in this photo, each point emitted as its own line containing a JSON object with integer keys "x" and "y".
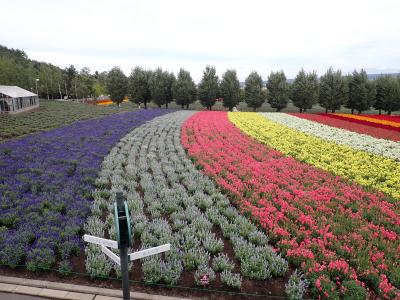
{"x": 245, "y": 199}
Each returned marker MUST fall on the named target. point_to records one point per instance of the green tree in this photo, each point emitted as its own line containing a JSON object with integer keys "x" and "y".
{"x": 209, "y": 87}
{"x": 139, "y": 88}
{"x": 117, "y": 85}
{"x": 391, "y": 94}
{"x": 254, "y": 95}
{"x": 361, "y": 92}
{"x": 184, "y": 89}
{"x": 277, "y": 90}
{"x": 170, "y": 80}
{"x": 160, "y": 85}
{"x": 230, "y": 89}
{"x": 304, "y": 90}
{"x": 332, "y": 90}
{"x": 381, "y": 85}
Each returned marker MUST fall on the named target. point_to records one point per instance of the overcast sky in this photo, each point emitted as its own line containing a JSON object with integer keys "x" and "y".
{"x": 244, "y": 35}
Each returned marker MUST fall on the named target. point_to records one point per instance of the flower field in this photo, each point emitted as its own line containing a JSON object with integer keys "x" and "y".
{"x": 244, "y": 199}
{"x": 338, "y": 232}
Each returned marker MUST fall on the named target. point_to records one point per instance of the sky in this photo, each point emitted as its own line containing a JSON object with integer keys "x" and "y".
{"x": 247, "y": 36}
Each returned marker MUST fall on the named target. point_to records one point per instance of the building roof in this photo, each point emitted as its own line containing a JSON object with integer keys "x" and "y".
{"x": 15, "y": 91}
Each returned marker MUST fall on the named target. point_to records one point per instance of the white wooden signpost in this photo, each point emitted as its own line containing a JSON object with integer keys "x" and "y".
{"x": 123, "y": 230}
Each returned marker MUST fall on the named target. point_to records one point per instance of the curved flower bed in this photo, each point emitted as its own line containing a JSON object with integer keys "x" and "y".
{"x": 339, "y": 136}
{"x": 341, "y": 235}
{"x": 366, "y": 169}
{"x": 379, "y": 133}
{"x": 46, "y": 181}
{"x": 172, "y": 202}
{"x": 346, "y": 117}
{"x": 371, "y": 119}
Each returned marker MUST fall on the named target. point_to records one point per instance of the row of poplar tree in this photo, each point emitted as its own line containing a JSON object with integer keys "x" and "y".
{"x": 331, "y": 91}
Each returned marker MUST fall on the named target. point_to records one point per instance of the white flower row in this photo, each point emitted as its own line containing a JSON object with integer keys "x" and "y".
{"x": 363, "y": 142}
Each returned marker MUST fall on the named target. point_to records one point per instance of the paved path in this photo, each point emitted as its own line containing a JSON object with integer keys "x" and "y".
{"x": 13, "y": 288}
{"x": 8, "y": 296}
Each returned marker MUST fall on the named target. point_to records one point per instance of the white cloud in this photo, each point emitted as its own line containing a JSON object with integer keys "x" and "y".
{"x": 246, "y": 35}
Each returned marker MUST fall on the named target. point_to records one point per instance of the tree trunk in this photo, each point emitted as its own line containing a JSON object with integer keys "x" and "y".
{"x": 359, "y": 112}
{"x": 304, "y": 110}
{"x": 166, "y": 105}
{"x": 278, "y": 109}
{"x": 182, "y": 105}
{"x": 380, "y": 111}
{"x": 389, "y": 112}
{"x": 300, "y": 110}
{"x": 145, "y": 104}
{"x": 187, "y": 106}
{"x": 326, "y": 110}
{"x": 333, "y": 111}
{"x": 352, "y": 111}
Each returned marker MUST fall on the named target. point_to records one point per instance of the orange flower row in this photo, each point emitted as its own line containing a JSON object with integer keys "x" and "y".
{"x": 370, "y": 119}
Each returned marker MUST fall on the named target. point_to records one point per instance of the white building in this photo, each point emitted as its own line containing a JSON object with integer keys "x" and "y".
{"x": 14, "y": 99}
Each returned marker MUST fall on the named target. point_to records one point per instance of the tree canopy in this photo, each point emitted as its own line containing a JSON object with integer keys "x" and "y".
{"x": 304, "y": 90}
{"x": 139, "y": 87}
{"x": 230, "y": 89}
{"x": 277, "y": 90}
{"x": 333, "y": 91}
{"x": 184, "y": 89}
{"x": 117, "y": 85}
{"x": 160, "y": 85}
{"x": 253, "y": 93}
{"x": 361, "y": 92}
{"x": 209, "y": 87}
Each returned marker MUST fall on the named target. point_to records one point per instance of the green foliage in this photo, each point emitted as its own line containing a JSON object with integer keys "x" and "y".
{"x": 230, "y": 89}
{"x": 64, "y": 268}
{"x": 209, "y": 87}
{"x": 277, "y": 90}
{"x": 387, "y": 95}
{"x": 117, "y": 85}
{"x": 160, "y": 85}
{"x": 222, "y": 263}
{"x": 184, "y": 89}
{"x": 353, "y": 291}
{"x": 254, "y": 95}
{"x": 333, "y": 90}
{"x": 361, "y": 92}
{"x": 296, "y": 286}
{"x": 232, "y": 280}
{"x": 139, "y": 88}
{"x": 304, "y": 90}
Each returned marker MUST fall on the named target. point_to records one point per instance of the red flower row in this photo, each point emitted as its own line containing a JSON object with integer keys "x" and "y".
{"x": 320, "y": 222}
{"x": 364, "y": 122}
{"x": 351, "y": 126}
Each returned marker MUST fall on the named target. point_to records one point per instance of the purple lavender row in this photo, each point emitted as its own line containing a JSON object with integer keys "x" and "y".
{"x": 46, "y": 181}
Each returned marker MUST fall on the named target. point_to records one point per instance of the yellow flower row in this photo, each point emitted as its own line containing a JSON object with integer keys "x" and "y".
{"x": 369, "y": 119}
{"x": 364, "y": 168}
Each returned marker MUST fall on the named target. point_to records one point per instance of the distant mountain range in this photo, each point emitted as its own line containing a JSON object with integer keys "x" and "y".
{"x": 370, "y": 77}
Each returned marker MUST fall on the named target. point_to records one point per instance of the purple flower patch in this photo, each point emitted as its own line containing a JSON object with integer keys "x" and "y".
{"x": 46, "y": 180}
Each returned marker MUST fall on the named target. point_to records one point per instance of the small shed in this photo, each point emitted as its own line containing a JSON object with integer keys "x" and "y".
{"x": 14, "y": 99}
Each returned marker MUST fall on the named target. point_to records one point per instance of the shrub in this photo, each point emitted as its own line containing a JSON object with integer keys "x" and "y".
{"x": 296, "y": 286}
{"x": 353, "y": 291}
{"x": 232, "y": 280}
{"x": 39, "y": 259}
{"x": 204, "y": 275}
{"x": 222, "y": 263}
{"x": 64, "y": 267}
{"x": 213, "y": 245}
